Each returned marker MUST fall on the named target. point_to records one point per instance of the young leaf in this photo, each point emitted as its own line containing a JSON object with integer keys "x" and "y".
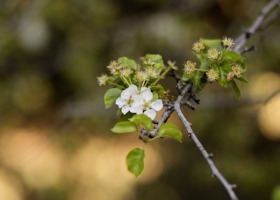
{"x": 135, "y": 161}
{"x": 170, "y": 130}
{"x": 158, "y": 89}
{"x": 124, "y": 127}
{"x": 201, "y": 85}
{"x": 212, "y": 44}
{"x": 155, "y": 96}
{"x": 128, "y": 63}
{"x": 236, "y": 89}
{"x": 159, "y": 65}
{"x": 143, "y": 120}
{"x": 195, "y": 78}
{"x": 110, "y": 96}
{"x": 224, "y": 69}
{"x": 186, "y": 77}
{"x": 243, "y": 79}
{"x": 204, "y": 61}
{"x": 232, "y": 56}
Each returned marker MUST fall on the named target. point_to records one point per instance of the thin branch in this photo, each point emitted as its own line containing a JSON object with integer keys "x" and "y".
{"x": 208, "y": 157}
{"x": 165, "y": 116}
{"x": 188, "y": 104}
{"x": 257, "y": 25}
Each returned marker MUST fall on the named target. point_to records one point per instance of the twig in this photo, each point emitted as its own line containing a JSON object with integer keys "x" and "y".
{"x": 257, "y": 25}
{"x": 165, "y": 116}
{"x": 188, "y": 104}
{"x": 208, "y": 157}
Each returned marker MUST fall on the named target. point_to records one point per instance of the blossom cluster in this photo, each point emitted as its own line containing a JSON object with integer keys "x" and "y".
{"x": 140, "y": 92}
{"x": 139, "y": 101}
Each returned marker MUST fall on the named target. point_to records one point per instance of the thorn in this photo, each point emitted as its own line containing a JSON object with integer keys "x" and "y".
{"x": 155, "y": 121}
{"x": 233, "y": 186}
{"x": 210, "y": 155}
{"x": 248, "y": 34}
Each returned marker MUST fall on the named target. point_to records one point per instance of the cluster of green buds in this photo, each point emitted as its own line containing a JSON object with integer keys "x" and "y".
{"x": 217, "y": 63}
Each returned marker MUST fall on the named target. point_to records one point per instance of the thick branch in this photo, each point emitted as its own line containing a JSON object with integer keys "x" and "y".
{"x": 177, "y": 107}
{"x": 257, "y": 25}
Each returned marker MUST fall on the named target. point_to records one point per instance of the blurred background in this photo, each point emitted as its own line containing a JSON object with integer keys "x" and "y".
{"x": 55, "y": 139}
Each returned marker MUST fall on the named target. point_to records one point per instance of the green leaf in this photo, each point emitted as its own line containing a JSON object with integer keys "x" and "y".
{"x": 124, "y": 127}
{"x": 212, "y": 43}
{"x": 195, "y": 78}
{"x": 186, "y": 77}
{"x": 143, "y": 120}
{"x": 127, "y": 116}
{"x": 110, "y": 96}
{"x": 170, "y": 130}
{"x": 205, "y": 62}
{"x": 224, "y": 69}
{"x": 243, "y": 79}
{"x": 158, "y": 89}
{"x": 202, "y": 83}
{"x": 155, "y": 96}
{"x": 233, "y": 57}
{"x": 236, "y": 89}
{"x": 159, "y": 64}
{"x": 135, "y": 161}
{"x": 128, "y": 63}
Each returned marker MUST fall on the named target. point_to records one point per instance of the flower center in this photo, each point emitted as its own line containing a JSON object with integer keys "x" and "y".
{"x": 146, "y": 105}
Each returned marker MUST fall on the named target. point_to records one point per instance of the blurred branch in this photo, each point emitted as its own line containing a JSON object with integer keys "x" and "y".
{"x": 177, "y": 107}
{"x": 259, "y": 24}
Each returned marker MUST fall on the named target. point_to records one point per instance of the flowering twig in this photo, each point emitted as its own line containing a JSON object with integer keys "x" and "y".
{"x": 257, "y": 25}
{"x": 177, "y": 107}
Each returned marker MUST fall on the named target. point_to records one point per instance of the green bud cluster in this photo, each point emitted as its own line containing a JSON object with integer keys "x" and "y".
{"x": 217, "y": 62}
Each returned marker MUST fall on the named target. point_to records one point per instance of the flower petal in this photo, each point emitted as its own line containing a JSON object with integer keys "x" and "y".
{"x": 125, "y": 94}
{"x": 136, "y": 109}
{"x": 137, "y": 100}
{"x": 157, "y": 105}
{"x": 133, "y": 89}
{"x": 125, "y": 109}
{"x": 143, "y": 89}
{"x": 147, "y": 95}
{"x": 150, "y": 113}
{"x": 120, "y": 102}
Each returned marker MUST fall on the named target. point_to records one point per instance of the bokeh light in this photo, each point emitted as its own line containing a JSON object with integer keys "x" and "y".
{"x": 269, "y": 118}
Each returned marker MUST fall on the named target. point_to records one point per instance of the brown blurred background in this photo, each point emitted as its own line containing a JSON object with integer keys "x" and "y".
{"x": 55, "y": 139}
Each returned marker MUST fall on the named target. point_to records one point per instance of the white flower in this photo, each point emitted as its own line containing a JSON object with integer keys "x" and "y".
{"x": 153, "y": 107}
{"x": 130, "y": 101}
{"x": 139, "y": 101}
{"x": 150, "y": 107}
